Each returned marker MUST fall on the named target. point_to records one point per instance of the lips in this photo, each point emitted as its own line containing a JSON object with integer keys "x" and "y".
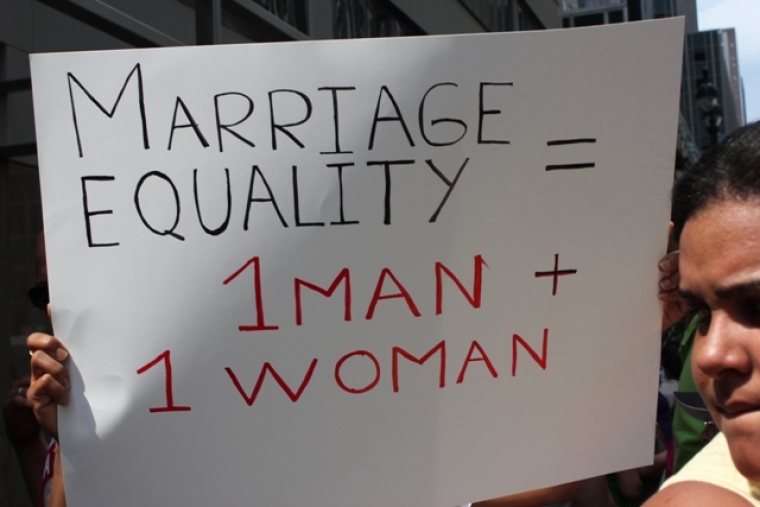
{"x": 735, "y": 408}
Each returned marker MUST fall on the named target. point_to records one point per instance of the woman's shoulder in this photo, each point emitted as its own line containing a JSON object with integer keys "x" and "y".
{"x": 696, "y": 494}
{"x": 710, "y": 478}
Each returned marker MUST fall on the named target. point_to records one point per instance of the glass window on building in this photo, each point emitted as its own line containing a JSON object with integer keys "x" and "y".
{"x": 616, "y": 16}
{"x": 292, "y": 12}
{"x": 369, "y": 18}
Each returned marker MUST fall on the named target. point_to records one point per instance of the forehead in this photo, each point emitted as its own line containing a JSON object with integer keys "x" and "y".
{"x": 720, "y": 245}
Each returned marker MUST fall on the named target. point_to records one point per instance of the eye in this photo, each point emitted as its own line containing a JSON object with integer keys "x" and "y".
{"x": 702, "y": 312}
{"x": 752, "y": 311}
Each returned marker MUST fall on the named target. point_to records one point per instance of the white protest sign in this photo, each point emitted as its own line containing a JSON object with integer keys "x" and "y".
{"x": 373, "y": 272}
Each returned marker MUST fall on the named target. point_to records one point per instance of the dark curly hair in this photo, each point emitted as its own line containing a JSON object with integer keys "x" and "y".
{"x": 730, "y": 170}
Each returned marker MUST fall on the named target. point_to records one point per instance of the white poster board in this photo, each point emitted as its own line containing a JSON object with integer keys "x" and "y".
{"x": 411, "y": 271}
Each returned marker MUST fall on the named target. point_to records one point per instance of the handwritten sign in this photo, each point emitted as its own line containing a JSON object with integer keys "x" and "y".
{"x": 373, "y": 272}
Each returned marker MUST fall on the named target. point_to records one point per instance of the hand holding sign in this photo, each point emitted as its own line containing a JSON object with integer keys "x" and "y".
{"x": 50, "y": 381}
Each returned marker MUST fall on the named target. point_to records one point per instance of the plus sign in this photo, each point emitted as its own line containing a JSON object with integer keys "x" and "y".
{"x": 556, "y": 273}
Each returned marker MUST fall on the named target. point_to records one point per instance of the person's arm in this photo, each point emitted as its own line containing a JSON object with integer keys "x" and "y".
{"x": 49, "y": 388}
{"x": 24, "y": 433}
{"x": 57, "y": 493}
{"x": 595, "y": 492}
{"x": 534, "y": 498}
{"x": 657, "y": 466}
{"x": 695, "y": 494}
{"x": 31, "y": 459}
{"x": 629, "y": 483}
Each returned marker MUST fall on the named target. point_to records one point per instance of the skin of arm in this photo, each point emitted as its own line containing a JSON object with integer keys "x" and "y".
{"x": 535, "y": 498}
{"x": 31, "y": 458}
{"x": 49, "y": 388}
{"x": 24, "y": 433}
{"x": 50, "y": 381}
{"x": 57, "y": 492}
{"x": 695, "y": 494}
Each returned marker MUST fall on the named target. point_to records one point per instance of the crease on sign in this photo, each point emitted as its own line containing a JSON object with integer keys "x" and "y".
{"x": 327, "y": 198}
{"x": 107, "y": 397}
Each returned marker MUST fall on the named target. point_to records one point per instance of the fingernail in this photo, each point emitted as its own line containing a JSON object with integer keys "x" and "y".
{"x": 61, "y": 354}
{"x": 665, "y": 283}
{"x": 66, "y": 383}
{"x": 665, "y": 265}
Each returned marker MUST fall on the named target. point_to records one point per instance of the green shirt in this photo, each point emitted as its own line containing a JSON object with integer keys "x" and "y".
{"x": 686, "y": 429}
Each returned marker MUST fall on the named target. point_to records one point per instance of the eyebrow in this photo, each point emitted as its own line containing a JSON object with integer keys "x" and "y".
{"x": 726, "y": 292}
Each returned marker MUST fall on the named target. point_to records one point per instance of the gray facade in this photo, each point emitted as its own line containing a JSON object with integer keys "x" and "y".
{"x": 578, "y": 13}
{"x": 673, "y": 8}
{"x": 29, "y": 26}
{"x": 714, "y": 50}
{"x": 603, "y": 12}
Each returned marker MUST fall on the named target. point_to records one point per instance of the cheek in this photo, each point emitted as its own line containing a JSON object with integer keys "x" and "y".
{"x": 744, "y": 454}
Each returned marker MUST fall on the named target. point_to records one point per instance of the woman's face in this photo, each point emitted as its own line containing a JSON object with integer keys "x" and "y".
{"x": 720, "y": 279}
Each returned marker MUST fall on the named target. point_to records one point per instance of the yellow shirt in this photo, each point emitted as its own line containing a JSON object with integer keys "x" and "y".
{"x": 713, "y": 465}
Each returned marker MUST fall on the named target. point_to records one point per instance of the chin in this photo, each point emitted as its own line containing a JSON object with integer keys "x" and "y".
{"x": 746, "y": 458}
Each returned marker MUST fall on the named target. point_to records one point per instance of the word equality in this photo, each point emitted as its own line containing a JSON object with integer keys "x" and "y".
{"x": 258, "y": 191}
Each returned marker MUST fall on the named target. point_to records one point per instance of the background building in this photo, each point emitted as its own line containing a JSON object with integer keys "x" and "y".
{"x": 713, "y": 50}
{"x": 30, "y": 26}
{"x": 577, "y": 13}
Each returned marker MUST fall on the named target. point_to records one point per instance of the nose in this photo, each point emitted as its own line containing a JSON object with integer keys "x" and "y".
{"x": 723, "y": 349}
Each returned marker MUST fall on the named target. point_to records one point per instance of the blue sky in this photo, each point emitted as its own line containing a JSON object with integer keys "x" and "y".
{"x": 744, "y": 16}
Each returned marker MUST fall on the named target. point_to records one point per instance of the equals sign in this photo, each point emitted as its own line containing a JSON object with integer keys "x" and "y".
{"x": 563, "y": 142}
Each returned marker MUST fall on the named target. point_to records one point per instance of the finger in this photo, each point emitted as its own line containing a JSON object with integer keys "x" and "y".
{"x": 669, "y": 262}
{"x": 47, "y": 390}
{"x": 669, "y": 295}
{"x": 20, "y": 400}
{"x": 42, "y": 364}
{"x": 45, "y": 394}
{"x": 18, "y": 392}
{"x": 670, "y": 283}
{"x": 50, "y": 344}
{"x": 672, "y": 242}
{"x": 21, "y": 382}
{"x": 16, "y": 395}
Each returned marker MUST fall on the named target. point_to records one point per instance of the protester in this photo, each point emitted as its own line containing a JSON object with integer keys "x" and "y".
{"x": 35, "y": 454}
{"x": 48, "y": 389}
{"x": 717, "y": 222}
{"x": 689, "y": 433}
{"x": 24, "y": 434}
